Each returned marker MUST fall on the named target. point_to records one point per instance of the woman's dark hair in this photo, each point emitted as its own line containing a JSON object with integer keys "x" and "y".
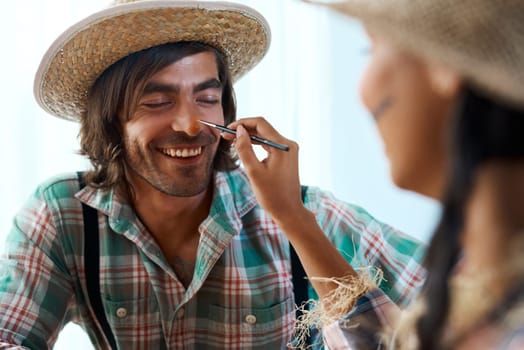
{"x": 484, "y": 130}
{"x": 116, "y": 92}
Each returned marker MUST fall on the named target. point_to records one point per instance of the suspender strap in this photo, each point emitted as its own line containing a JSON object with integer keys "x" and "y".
{"x": 91, "y": 266}
{"x": 300, "y": 283}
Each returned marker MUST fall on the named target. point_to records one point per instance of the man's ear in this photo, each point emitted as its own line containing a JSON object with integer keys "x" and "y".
{"x": 444, "y": 80}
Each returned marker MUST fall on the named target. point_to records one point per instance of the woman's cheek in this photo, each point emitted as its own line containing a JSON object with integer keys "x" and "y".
{"x": 366, "y": 88}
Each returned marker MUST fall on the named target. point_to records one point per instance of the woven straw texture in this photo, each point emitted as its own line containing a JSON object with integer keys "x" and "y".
{"x": 481, "y": 39}
{"x": 84, "y": 51}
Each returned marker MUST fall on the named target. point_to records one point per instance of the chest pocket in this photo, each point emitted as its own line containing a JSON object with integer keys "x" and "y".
{"x": 258, "y": 328}
{"x": 132, "y": 312}
{"x": 135, "y": 324}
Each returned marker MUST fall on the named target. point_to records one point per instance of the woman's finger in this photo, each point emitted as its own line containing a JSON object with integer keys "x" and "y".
{"x": 258, "y": 126}
{"x": 245, "y": 150}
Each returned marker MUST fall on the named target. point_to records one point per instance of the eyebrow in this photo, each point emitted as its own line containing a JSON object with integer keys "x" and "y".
{"x": 153, "y": 87}
{"x": 208, "y": 84}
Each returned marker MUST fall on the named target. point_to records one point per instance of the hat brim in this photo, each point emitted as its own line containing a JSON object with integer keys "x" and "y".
{"x": 465, "y": 35}
{"x": 77, "y": 58}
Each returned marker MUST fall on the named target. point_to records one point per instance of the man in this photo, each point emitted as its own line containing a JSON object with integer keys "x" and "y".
{"x": 187, "y": 258}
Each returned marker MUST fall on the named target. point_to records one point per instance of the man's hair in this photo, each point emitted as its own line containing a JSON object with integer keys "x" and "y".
{"x": 116, "y": 92}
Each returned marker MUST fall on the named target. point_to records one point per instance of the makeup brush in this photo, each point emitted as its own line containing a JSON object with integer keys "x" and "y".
{"x": 254, "y": 138}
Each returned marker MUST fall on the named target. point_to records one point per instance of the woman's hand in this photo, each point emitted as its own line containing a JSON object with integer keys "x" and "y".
{"x": 276, "y": 184}
{"x": 275, "y": 179}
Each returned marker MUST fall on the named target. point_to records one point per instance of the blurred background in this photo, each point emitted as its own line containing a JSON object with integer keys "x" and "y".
{"x": 306, "y": 86}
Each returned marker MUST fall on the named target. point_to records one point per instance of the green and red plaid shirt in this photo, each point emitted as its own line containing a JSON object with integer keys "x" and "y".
{"x": 241, "y": 295}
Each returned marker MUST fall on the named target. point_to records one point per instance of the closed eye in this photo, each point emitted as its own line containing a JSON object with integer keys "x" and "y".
{"x": 156, "y": 104}
{"x": 210, "y": 101}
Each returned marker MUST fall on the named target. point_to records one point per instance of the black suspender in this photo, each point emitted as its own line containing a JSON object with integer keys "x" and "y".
{"x": 91, "y": 266}
{"x": 300, "y": 283}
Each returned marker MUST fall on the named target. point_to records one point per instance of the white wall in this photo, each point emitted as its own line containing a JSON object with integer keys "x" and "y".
{"x": 307, "y": 86}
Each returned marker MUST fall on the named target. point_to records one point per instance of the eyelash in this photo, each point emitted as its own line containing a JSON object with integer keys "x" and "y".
{"x": 366, "y": 51}
{"x": 161, "y": 104}
{"x": 210, "y": 101}
{"x": 156, "y": 104}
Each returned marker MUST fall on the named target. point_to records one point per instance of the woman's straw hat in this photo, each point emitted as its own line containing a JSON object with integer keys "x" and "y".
{"x": 78, "y": 57}
{"x": 481, "y": 39}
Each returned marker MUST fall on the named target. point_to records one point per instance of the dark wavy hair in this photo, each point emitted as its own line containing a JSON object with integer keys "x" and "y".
{"x": 484, "y": 130}
{"x": 117, "y": 91}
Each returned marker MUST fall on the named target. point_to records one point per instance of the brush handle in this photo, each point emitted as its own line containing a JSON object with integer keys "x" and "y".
{"x": 254, "y": 138}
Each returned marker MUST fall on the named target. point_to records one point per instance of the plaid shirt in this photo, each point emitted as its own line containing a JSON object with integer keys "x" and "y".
{"x": 362, "y": 328}
{"x": 375, "y": 315}
{"x": 241, "y": 295}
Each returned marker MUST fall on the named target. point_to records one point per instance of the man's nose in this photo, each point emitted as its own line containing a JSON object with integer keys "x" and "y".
{"x": 186, "y": 121}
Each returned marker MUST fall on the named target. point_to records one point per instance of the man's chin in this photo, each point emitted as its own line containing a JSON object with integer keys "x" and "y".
{"x": 188, "y": 189}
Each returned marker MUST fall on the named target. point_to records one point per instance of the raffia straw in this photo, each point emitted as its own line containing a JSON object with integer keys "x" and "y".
{"x": 336, "y": 304}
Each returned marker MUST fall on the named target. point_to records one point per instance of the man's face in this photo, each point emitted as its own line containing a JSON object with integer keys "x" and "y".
{"x": 165, "y": 144}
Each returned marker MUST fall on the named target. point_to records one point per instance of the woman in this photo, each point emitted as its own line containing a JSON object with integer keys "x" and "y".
{"x": 445, "y": 85}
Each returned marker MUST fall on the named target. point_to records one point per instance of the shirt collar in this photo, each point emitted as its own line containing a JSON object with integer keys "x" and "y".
{"x": 232, "y": 199}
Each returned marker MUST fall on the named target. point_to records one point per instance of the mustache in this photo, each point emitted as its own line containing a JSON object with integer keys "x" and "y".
{"x": 179, "y": 137}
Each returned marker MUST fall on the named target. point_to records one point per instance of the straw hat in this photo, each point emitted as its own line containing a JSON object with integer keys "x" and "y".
{"x": 78, "y": 57}
{"x": 481, "y": 39}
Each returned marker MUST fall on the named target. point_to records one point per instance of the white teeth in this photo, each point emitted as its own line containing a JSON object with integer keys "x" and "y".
{"x": 182, "y": 153}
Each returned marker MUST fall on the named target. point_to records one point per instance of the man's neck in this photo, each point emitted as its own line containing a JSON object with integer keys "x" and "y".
{"x": 169, "y": 218}
{"x": 173, "y": 222}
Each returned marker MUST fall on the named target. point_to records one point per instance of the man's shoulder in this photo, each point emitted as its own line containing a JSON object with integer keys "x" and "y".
{"x": 314, "y": 196}
{"x": 51, "y": 196}
{"x": 326, "y": 204}
{"x": 59, "y": 186}
{"x": 238, "y": 180}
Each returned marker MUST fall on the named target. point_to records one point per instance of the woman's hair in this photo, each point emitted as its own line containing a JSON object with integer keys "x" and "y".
{"x": 484, "y": 130}
{"x": 116, "y": 92}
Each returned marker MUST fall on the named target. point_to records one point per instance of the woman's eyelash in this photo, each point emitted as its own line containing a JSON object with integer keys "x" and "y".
{"x": 366, "y": 51}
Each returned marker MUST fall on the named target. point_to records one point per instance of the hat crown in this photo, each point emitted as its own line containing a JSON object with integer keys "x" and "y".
{"x": 76, "y": 59}
{"x": 481, "y": 39}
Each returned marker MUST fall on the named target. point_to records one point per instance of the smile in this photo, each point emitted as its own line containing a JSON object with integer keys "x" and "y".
{"x": 182, "y": 152}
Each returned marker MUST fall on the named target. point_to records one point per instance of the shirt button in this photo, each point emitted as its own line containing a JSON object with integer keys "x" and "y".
{"x": 180, "y": 314}
{"x": 121, "y": 312}
{"x": 251, "y": 319}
